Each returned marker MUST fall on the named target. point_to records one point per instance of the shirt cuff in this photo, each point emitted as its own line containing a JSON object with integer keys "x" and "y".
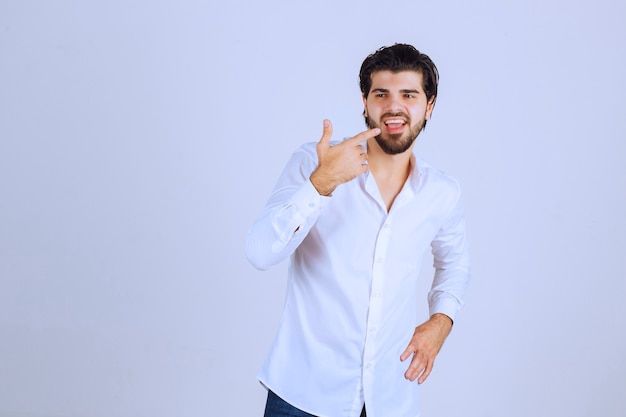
{"x": 308, "y": 200}
{"x": 449, "y": 306}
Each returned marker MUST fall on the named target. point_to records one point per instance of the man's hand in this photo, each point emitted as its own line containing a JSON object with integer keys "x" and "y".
{"x": 340, "y": 163}
{"x": 425, "y": 345}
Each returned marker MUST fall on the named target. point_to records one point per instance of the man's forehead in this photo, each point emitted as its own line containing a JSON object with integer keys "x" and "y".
{"x": 385, "y": 77}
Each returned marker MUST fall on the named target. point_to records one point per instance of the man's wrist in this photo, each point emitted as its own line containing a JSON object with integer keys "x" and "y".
{"x": 442, "y": 319}
{"x": 323, "y": 186}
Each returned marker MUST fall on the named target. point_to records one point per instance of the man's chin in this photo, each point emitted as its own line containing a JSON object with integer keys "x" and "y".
{"x": 393, "y": 145}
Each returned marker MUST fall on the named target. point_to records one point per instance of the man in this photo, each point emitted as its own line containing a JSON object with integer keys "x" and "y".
{"x": 354, "y": 218}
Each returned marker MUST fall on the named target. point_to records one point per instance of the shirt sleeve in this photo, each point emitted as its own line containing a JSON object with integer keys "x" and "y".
{"x": 452, "y": 265}
{"x": 289, "y": 214}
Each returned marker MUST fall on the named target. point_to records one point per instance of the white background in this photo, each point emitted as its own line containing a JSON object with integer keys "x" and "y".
{"x": 139, "y": 139}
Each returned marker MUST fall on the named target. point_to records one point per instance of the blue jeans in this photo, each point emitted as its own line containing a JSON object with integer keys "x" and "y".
{"x": 277, "y": 407}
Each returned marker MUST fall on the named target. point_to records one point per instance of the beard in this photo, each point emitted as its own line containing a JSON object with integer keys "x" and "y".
{"x": 393, "y": 144}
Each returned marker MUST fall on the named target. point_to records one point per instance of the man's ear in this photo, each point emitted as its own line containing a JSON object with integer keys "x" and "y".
{"x": 364, "y": 105}
{"x": 430, "y": 106}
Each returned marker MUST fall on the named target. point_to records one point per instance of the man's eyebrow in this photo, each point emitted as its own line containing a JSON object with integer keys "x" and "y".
{"x": 404, "y": 91}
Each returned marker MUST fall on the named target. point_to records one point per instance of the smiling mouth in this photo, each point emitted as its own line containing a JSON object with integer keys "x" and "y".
{"x": 394, "y": 126}
{"x": 394, "y": 123}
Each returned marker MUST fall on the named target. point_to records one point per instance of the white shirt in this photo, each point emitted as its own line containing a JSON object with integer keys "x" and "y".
{"x": 351, "y": 301}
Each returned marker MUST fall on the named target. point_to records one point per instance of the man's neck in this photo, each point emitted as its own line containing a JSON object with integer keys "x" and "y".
{"x": 389, "y": 171}
{"x": 388, "y": 167}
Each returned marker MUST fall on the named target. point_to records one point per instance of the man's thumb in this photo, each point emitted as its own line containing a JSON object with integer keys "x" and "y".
{"x": 327, "y": 133}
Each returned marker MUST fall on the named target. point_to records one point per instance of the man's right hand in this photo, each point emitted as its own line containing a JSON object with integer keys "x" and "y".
{"x": 339, "y": 163}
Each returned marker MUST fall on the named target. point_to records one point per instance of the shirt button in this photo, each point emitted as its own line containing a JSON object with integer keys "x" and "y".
{"x": 311, "y": 205}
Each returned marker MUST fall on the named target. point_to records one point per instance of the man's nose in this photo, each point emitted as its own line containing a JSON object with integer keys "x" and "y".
{"x": 395, "y": 104}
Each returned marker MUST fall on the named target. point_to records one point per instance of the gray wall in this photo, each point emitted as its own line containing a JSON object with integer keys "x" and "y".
{"x": 139, "y": 139}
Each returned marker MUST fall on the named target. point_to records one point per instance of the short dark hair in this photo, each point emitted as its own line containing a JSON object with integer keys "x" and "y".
{"x": 396, "y": 58}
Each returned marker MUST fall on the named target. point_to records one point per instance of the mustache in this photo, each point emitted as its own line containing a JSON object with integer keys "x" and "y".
{"x": 395, "y": 114}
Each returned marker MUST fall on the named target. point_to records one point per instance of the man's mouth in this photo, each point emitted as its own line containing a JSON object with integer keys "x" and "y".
{"x": 394, "y": 122}
{"x": 394, "y": 125}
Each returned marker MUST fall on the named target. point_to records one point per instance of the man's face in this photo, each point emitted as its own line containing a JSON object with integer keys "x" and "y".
{"x": 397, "y": 104}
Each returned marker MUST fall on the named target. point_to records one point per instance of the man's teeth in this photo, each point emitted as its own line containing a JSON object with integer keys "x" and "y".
{"x": 394, "y": 122}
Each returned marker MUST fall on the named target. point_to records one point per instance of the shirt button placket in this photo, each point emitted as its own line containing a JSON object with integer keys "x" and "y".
{"x": 376, "y": 301}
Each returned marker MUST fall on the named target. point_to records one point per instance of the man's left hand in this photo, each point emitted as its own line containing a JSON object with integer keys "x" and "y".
{"x": 425, "y": 345}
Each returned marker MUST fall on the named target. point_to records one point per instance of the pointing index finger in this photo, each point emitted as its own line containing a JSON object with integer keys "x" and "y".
{"x": 364, "y": 136}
